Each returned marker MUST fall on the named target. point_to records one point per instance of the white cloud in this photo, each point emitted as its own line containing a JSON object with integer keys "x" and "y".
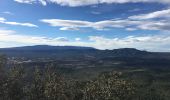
{"x": 69, "y": 28}
{"x": 12, "y": 36}
{"x": 43, "y": 2}
{"x": 66, "y": 24}
{"x": 157, "y": 14}
{"x": 127, "y": 24}
{"x": 162, "y": 25}
{"x": 131, "y": 29}
{"x": 159, "y": 42}
{"x": 61, "y": 39}
{"x": 13, "y": 39}
{"x": 158, "y": 20}
{"x": 7, "y": 12}
{"x": 75, "y": 24}
{"x": 149, "y": 42}
{"x": 74, "y": 3}
{"x": 3, "y": 21}
{"x": 26, "y": 1}
{"x": 78, "y": 39}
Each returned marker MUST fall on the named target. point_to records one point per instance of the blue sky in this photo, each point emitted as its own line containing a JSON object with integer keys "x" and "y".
{"x": 102, "y": 24}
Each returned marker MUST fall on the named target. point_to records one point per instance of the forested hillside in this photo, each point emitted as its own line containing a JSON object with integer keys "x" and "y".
{"x": 50, "y": 84}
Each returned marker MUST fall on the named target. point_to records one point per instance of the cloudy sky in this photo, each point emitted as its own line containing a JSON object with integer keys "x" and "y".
{"x": 102, "y": 24}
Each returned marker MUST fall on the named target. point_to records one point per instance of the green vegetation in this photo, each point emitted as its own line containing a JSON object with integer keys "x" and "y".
{"x": 49, "y": 84}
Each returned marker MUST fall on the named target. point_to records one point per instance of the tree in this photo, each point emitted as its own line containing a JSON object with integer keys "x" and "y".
{"x": 3, "y": 60}
{"x": 3, "y": 76}
{"x": 14, "y": 85}
{"x": 109, "y": 86}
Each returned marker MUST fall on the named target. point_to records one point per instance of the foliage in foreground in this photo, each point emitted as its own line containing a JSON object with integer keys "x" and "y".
{"x": 18, "y": 84}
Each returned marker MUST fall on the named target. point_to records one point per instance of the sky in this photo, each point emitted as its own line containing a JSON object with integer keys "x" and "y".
{"x": 102, "y": 24}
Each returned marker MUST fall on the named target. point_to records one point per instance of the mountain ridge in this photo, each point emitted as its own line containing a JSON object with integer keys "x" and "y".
{"x": 64, "y": 51}
{"x": 47, "y": 47}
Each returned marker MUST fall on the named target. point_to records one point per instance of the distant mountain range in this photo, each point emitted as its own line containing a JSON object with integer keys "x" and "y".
{"x": 127, "y": 56}
{"x": 76, "y": 51}
{"x": 46, "y": 48}
{"x": 46, "y": 51}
